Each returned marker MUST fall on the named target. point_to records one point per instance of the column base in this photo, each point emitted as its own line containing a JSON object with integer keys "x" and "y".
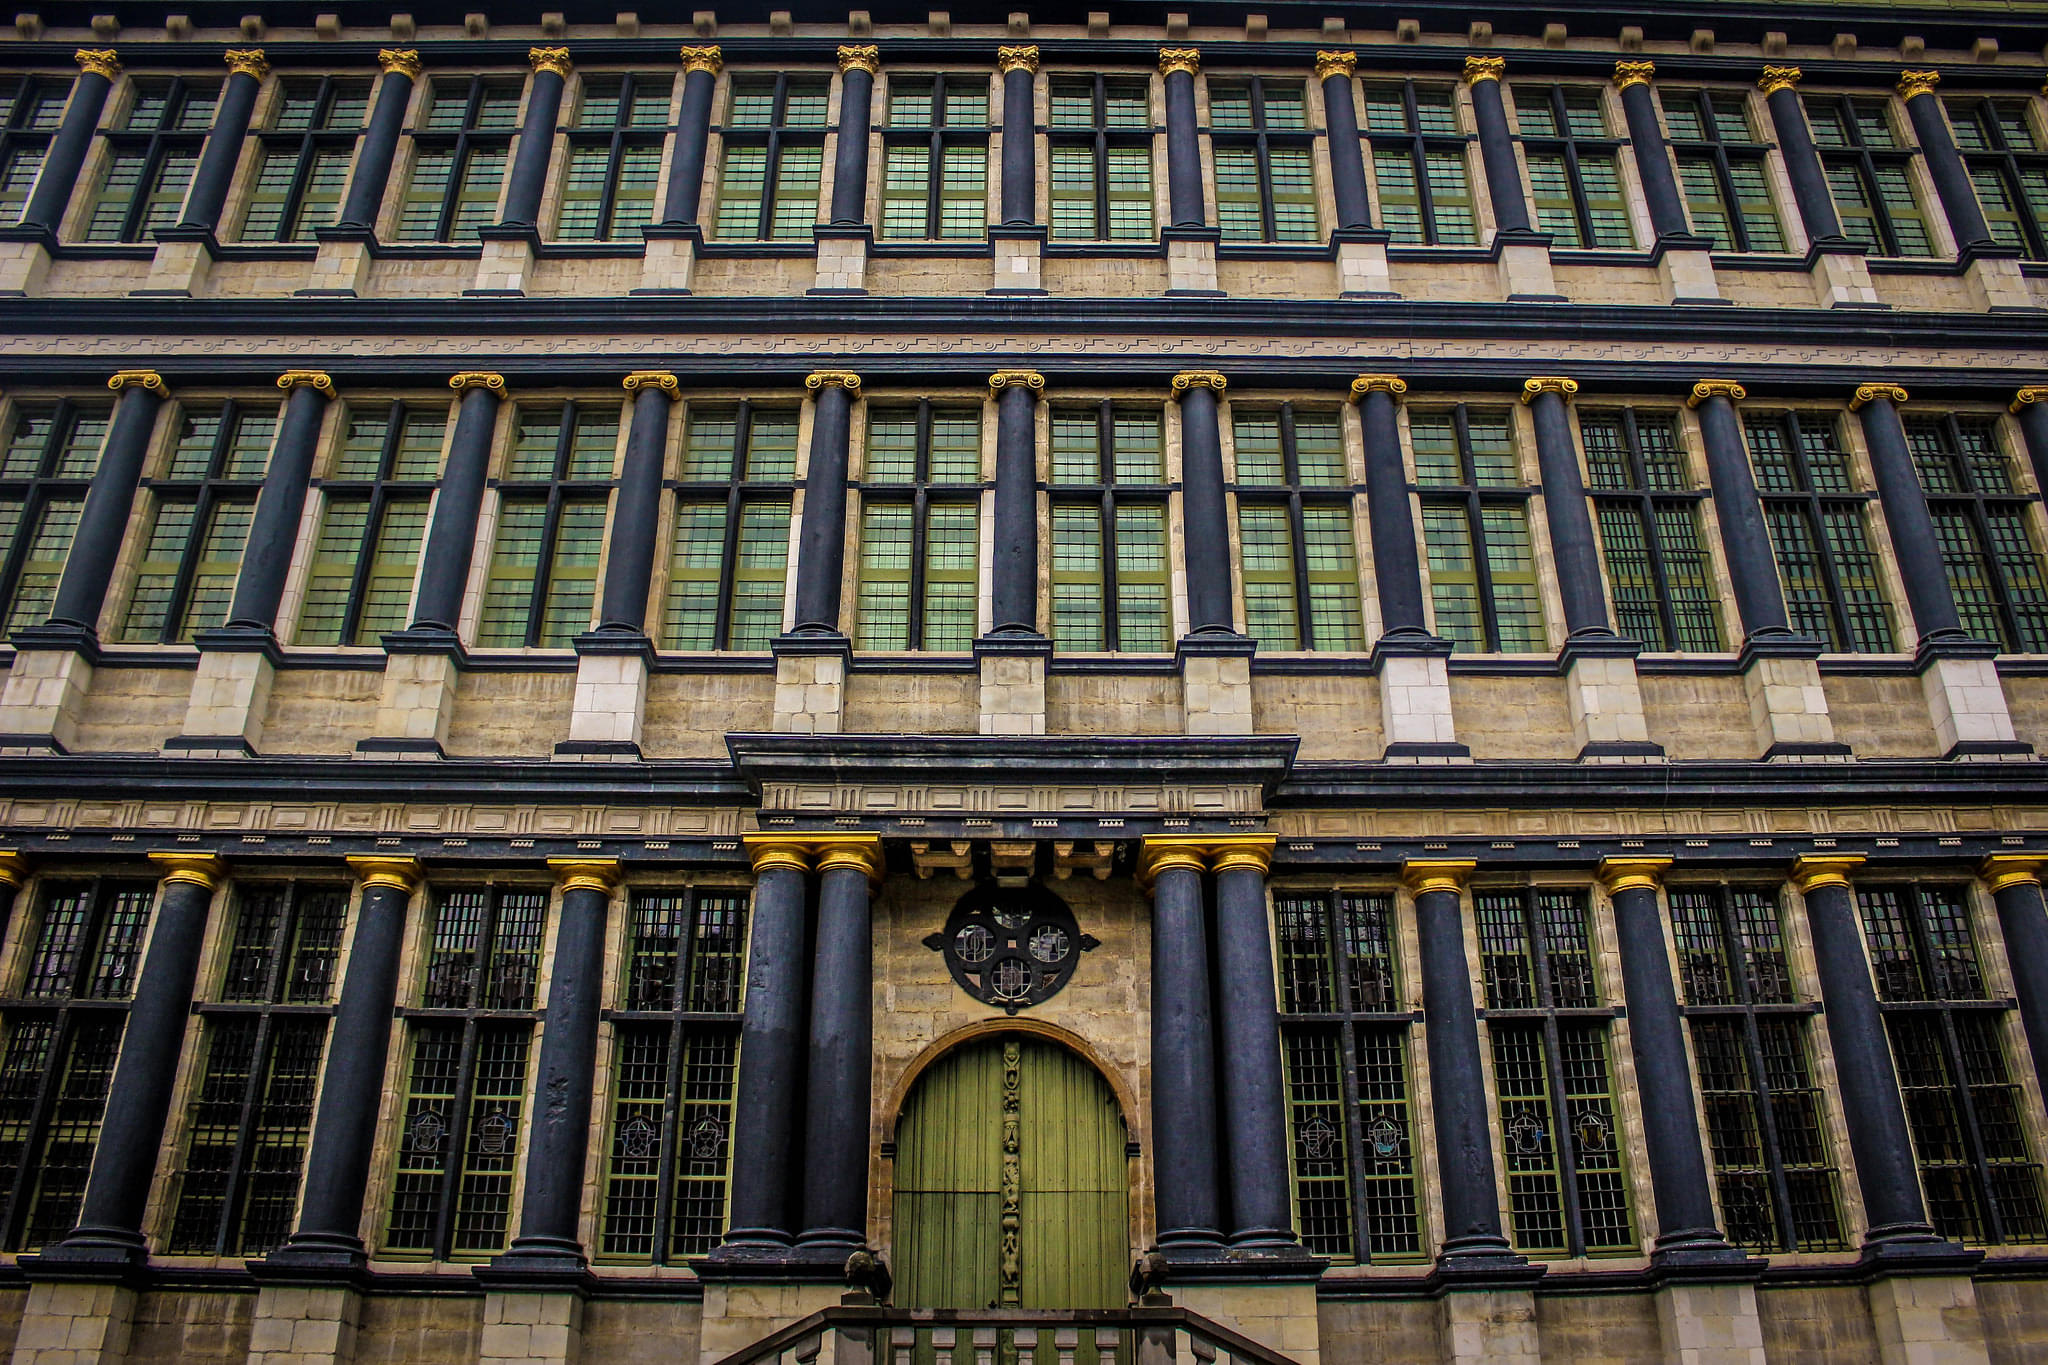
{"x": 224, "y": 715}
{"x": 1523, "y": 263}
{"x": 1788, "y": 707}
{"x": 611, "y": 695}
{"x": 1019, "y": 260}
{"x": 1966, "y": 700}
{"x": 1216, "y": 683}
{"x": 421, "y": 671}
{"x": 24, "y": 260}
{"x": 1841, "y": 276}
{"x": 342, "y": 267}
{"x": 531, "y": 1327}
{"x": 183, "y": 261}
{"x": 75, "y": 1323}
{"x": 506, "y": 267}
{"x": 842, "y": 260}
{"x": 1012, "y": 682}
{"x": 670, "y": 265}
{"x": 313, "y": 1256}
{"x": 810, "y": 682}
{"x": 90, "y": 1253}
{"x": 1995, "y": 282}
{"x": 1489, "y": 1325}
{"x": 1362, "y": 270}
{"x": 1191, "y": 261}
{"x": 305, "y": 1325}
{"x": 1919, "y": 1317}
{"x": 1687, "y": 272}
{"x": 1415, "y": 699}
{"x": 44, "y": 697}
{"x": 1710, "y": 1323}
{"x": 1606, "y": 700}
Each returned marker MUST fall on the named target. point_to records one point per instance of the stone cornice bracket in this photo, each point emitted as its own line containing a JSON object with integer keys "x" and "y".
{"x": 193, "y": 869}
{"x": 654, "y": 379}
{"x": 479, "y": 379}
{"x": 1913, "y": 83}
{"x": 1016, "y": 379}
{"x": 1776, "y": 78}
{"x": 1423, "y": 875}
{"x": 1549, "y": 383}
{"x": 316, "y": 380}
{"x": 1479, "y": 69}
{"x": 1632, "y": 874}
{"x": 1378, "y": 383}
{"x": 1023, "y": 58}
{"x": 1330, "y": 64}
{"x": 2003, "y": 870}
{"x": 1814, "y": 873}
{"x": 702, "y": 59}
{"x": 861, "y": 852}
{"x": 858, "y": 57}
{"x": 13, "y": 869}
{"x": 1633, "y": 73}
{"x": 1715, "y": 388}
{"x": 98, "y": 61}
{"x": 247, "y": 61}
{"x": 845, "y": 379}
{"x": 395, "y": 874}
{"x": 586, "y": 874}
{"x": 555, "y": 59}
{"x": 1866, "y": 394}
{"x": 148, "y": 380}
{"x": 404, "y": 60}
{"x": 1198, "y": 379}
{"x": 2027, "y": 397}
{"x": 777, "y": 852}
{"x": 1172, "y": 59}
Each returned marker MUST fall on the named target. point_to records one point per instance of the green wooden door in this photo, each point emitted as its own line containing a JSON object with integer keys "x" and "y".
{"x": 1068, "y": 1183}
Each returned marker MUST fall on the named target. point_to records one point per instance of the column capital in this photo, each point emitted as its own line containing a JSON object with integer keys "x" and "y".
{"x": 2028, "y": 396}
{"x": 2002, "y": 870}
{"x": 819, "y": 380}
{"x": 1022, "y": 58}
{"x": 1814, "y": 872}
{"x": 1633, "y": 73}
{"x": 1913, "y": 83}
{"x": 800, "y": 852}
{"x": 1632, "y": 874}
{"x": 1377, "y": 383}
{"x": 1479, "y": 69}
{"x": 770, "y": 852}
{"x": 708, "y": 59}
{"x": 1549, "y": 383}
{"x": 1198, "y": 379}
{"x": 1330, "y": 64}
{"x": 1866, "y": 394}
{"x": 861, "y": 852}
{"x": 247, "y": 61}
{"x": 1776, "y": 78}
{"x": 1029, "y": 380}
{"x": 479, "y": 379}
{"x": 403, "y": 60}
{"x": 1168, "y": 853}
{"x": 1421, "y": 875}
{"x": 555, "y": 59}
{"x": 653, "y": 379}
{"x": 13, "y": 869}
{"x": 861, "y": 57}
{"x": 1172, "y": 59}
{"x": 98, "y": 61}
{"x": 195, "y": 869}
{"x": 1715, "y": 388}
{"x": 147, "y": 380}
{"x": 316, "y": 380}
{"x": 395, "y": 874}
{"x": 1234, "y": 852}
{"x": 585, "y": 874}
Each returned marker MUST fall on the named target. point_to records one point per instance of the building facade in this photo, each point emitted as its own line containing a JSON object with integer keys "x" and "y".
{"x": 1340, "y": 684}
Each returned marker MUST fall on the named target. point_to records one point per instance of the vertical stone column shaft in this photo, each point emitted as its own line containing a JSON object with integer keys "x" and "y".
{"x": 1184, "y": 1169}
{"x": 1752, "y": 566}
{"x": 693, "y": 134}
{"x": 767, "y": 1097}
{"x": 1248, "y": 1048}
{"x": 274, "y": 529}
{"x": 1944, "y": 163}
{"x": 821, "y": 539}
{"x": 97, "y": 68}
{"x": 1019, "y": 66}
{"x": 1347, "y": 156}
{"x": 1905, "y": 511}
{"x": 2030, "y": 405}
{"x": 1802, "y": 158}
{"x": 1203, "y": 513}
{"x": 841, "y": 1051}
{"x": 1496, "y": 144}
{"x": 529, "y": 178}
{"x": 858, "y": 67}
{"x": 2015, "y": 881}
{"x": 451, "y": 536}
{"x": 103, "y": 522}
{"x": 1564, "y": 506}
{"x": 1646, "y": 137}
{"x": 216, "y": 170}
{"x": 401, "y": 68}
{"x": 1014, "y": 589}
{"x": 1397, "y": 564}
{"x": 636, "y": 522}
{"x": 1186, "y": 203}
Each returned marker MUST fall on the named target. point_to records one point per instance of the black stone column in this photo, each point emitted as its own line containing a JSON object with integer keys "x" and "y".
{"x": 274, "y": 530}
{"x": 629, "y": 571}
{"x": 1752, "y": 567}
{"x": 1944, "y": 163}
{"x": 1497, "y": 144}
{"x": 1347, "y": 155}
{"x": 1653, "y": 162}
{"x": 401, "y": 68}
{"x": 97, "y": 68}
{"x": 529, "y": 178}
{"x": 1014, "y": 587}
{"x": 2030, "y": 405}
{"x": 2015, "y": 881}
{"x": 693, "y": 132}
{"x": 841, "y": 1054}
{"x": 857, "y": 70}
{"x": 451, "y": 536}
{"x": 1203, "y": 514}
{"x": 1802, "y": 159}
{"x": 558, "y": 1138}
{"x": 1689, "y": 1234}
{"x": 103, "y": 522}
{"x": 352, "y": 1088}
{"x": 821, "y": 538}
{"x": 1248, "y": 1051}
{"x": 109, "y": 1227}
{"x": 1019, "y": 66}
{"x": 1396, "y": 563}
{"x": 13, "y": 872}
{"x": 1185, "y": 200}
{"x": 1905, "y": 512}
{"x": 1457, "y": 1075}
{"x": 216, "y": 170}
{"x": 1184, "y": 1170}
{"x": 768, "y": 1095}
{"x": 1572, "y": 545}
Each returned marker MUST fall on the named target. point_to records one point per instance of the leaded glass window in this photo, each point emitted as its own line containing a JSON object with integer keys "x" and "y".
{"x": 149, "y": 158}
{"x": 920, "y": 543}
{"x": 1648, "y": 512}
{"x": 553, "y": 495}
{"x": 729, "y": 562}
{"x": 302, "y": 162}
{"x": 614, "y": 157}
{"x": 31, "y": 109}
{"x": 48, "y": 454}
{"x": 1264, "y": 154}
{"x": 1574, "y": 166}
{"x": 1111, "y": 576}
{"x": 201, "y": 506}
{"x": 373, "y": 522}
{"x": 2007, "y": 166}
{"x": 1295, "y": 537}
{"x": 773, "y": 160}
{"x": 461, "y": 145}
{"x": 1721, "y": 170}
{"x": 935, "y": 158}
{"x": 1981, "y": 524}
{"x": 1826, "y": 565}
{"x": 1475, "y": 530}
{"x": 1870, "y": 174}
{"x": 1419, "y": 164}
{"x": 1100, "y": 138}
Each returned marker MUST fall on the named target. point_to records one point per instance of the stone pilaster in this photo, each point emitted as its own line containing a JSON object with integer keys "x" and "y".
{"x": 1018, "y": 240}
{"x": 1189, "y": 240}
{"x": 839, "y": 1062}
{"x": 506, "y": 266}
{"x": 843, "y": 242}
{"x": 1213, "y": 658}
{"x": 1683, "y": 262}
{"x": 670, "y": 264}
{"x": 1521, "y": 254}
{"x": 1189, "y": 1205}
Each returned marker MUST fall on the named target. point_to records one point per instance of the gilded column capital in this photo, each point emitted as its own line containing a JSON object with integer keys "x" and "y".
{"x": 585, "y": 874}
{"x": 247, "y": 61}
{"x": 1330, "y": 64}
{"x": 393, "y": 874}
{"x": 148, "y": 380}
{"x": 2003, "y": 870}
{"x": 1913, "y": 83}
{"x": 773, "y": 852}
{"x": 860, "y": 852}
{"x": 1715, "y": 388}
{"x": 403, "y": 60}
{"x": 1237, "y": 852}
{"x": 479, "y": 379}
{"x": 1024, "y": 58}
{"x": 842, "y": 379}
{"x": 1632, "y": 874}
{"x": 555, "y": 59}
{"x": 861, "y": 57}
{"x": 13, "y": 869}
{"x": 1423, "y": 875}
{"x": 1198, "y": 379}
{"x": 1776, "y": 78}
{"x": 1813, "y": 872}
{"x": 1378, "y": 383}
{"x": 98, "y": 61}
{"x": 653, "y": 379}
{"x": 316, "y": 380}
{"x": 1479, "y": 69}
{"x": 1866, "y": 394}
{"x": 708, "y": 59}
{"x": 193, "y": 869}
{"x": 1030, "y": 380}
{"x": 1168, "y": 853}
{"x": 1172, "y": 59}
{"x": 2028, "y": 396}
{"x": 1633, "y": 73}
{"x": 1549, "y": 383}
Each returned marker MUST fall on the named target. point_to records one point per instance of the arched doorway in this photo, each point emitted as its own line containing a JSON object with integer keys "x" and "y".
{"x": 1010, "y": 1182}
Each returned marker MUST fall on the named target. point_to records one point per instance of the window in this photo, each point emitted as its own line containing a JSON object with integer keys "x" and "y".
{"x": 1100, "y": 135}
{"x": 46, "y": 465}
{"x": 920, "y": 542}
{"x": 668, "y": 1141}
{"x": 1110, "y": 571}
{"x": 1418, "y": 164}
{"x": 459, "y": 150}
{"x": 1657, "y": 570}
{"x": 1980, "y": 521}
{"x": 1294, "y": 496}
{"x": 1475, "y": 530}
{"x": 1825, "y": 563}
{"x": 552, "y": 499}
{"x": 236, "y": 1186}
{"x": 730, "y": 563}
{"x": 2007, "y": 166}
{"x": 614, "y": 161}
{"x": 1567, "y": 1191}
{"x": 1344, "y": 1034}
{"x": 199, "y": 523}
{"x": 303, "y": 159}
{"x": 150, "y": 156}
{"x": 465, "y": 1075}
{"x": 1574, "y": 166}
{"x": 935, "y": 149}
{"x": 63, "y": 1035}
{"x": 1965, "y": 1111}
{"x": 1870, "y": 174}
{"x": 1721, "y": 170}
{"x": 774, "y": 140}
{"x": 1265, "y": 161}
{"x": 373, "y": 521}
{"x": 31, "y": 108}
{"x": 1778, "y": 1185}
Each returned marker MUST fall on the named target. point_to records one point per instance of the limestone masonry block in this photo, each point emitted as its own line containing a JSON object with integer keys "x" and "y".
{"x": 670, "y": 263}
{"x": 230, "y": 696}
{"x": 1191, "y": 266}
{"x": 1525, "y": 271}
{"x": 45, "y": 695}
{"x": 1787, "y": 704}
{"x": 1217, "y": 695}
{"x": 1012, "y": 695}
{"x": 1688, "y": 275}
{"x": 1606, "y": 702}
{"x": 611, "y": 698}
{"x": 1966, "y": 702}
{"x": 1362, "y": 268}
{"x": 1710, "y": 1324}
{"x": 179, "y": 268}
{"x": 1018, "y": 264}
{"x": 1497, "y": 1327}
{"x": 310, "y": 1325}
{"x": 341, "y": 268}
{"x": 1927, "y": 1320}
{"x": 75, "y": 1324}
{"x": 1415, "y": 701}
{"x": 1997, "y": 284}
{"x": 1282, "y": 1316}
{"x": 842, "y": 263}
{"x": 1841, "y": 281}
{"x": 810, "y": 694}
{"x": 419, "y": 697}
{"x": 23, "y": 267}
{"x": 506, "y": 267}
{"x": 738, "y": 1315}
{"x": 531, "y": 1329}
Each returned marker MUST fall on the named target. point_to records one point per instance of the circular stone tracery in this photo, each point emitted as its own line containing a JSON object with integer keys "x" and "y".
{"x": 1011, "y": 947}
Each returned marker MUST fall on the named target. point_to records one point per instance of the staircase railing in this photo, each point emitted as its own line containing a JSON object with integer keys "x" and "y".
{"x": 912, "y": 1336}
